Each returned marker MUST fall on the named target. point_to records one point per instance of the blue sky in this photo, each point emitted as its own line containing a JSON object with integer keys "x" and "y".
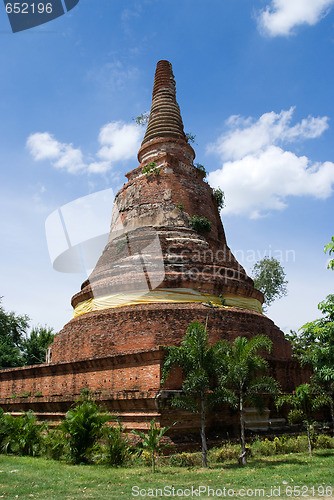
{"x": 255, "y": 85}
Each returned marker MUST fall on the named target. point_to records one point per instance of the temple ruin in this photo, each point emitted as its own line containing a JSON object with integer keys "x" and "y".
{"x": 166, "y": 264}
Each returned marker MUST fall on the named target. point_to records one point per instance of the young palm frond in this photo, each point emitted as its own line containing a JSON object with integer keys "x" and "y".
{"x": 151, "y": 441}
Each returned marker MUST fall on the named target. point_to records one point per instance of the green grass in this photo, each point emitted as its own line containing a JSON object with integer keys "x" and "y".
{"x": 25, "y": 478}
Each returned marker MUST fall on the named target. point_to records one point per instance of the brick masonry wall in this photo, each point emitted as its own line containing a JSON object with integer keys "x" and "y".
{"x": 147, "y": 326}
{"x": 138, "y": 372}
{"x": 128, "y": 385}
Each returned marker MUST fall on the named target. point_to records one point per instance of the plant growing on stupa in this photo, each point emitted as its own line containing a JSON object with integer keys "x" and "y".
{"x": 200, "y": 224}
{"x": 190, "y": 137}
{"x": 151, "y": 168}
{"x": 219, "y": 196}
{"x": 201, "y": 168}
{"x": 142, "y": 119}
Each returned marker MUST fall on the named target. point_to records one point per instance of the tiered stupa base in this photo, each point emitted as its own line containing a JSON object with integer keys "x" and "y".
{"x": 118, "y": 354}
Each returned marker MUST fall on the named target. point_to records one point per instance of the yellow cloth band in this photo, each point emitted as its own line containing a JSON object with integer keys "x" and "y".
{"x": 164, "y": 295}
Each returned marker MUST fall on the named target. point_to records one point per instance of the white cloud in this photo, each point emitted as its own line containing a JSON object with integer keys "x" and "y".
{"x": 43, "y": 146}
{"x": 258, "y": 175}
{"x": 119, "y": 141}
{"x": 248, "y": 136}
{"x": 281, "y": 16}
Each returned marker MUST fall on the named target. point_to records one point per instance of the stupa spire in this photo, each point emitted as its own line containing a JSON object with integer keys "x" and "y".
{"x": 165, "y": 116}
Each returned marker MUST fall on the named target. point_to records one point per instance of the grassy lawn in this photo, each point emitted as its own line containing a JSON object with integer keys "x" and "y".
{"x": 294, "y": 474}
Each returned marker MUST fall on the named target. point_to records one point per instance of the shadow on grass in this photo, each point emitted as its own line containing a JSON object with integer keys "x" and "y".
{"x": 261, "y": 463}
{"x": 323, "y": 453}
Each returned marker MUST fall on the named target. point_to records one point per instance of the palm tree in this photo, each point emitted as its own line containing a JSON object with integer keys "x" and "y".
{"x": 198, "y": 362}
{"x": 241, "y": 372}
{"x": 305, "y": 402}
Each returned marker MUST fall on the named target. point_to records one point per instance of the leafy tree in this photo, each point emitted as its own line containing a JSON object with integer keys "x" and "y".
{"x": 198, "y": 362}
{"x": 83, "y": 426}
{"x": 330, "y": 248}
{"x": 314, "y": 342}
{"x": 314, "y": 345}
{"x": 269, "y": 278}
{"x": 326, "y": 388}
{"x": 12, "y": 331}
{"x": 304, "y": 402}
{"x": 151, "y": 441}
{"x": 35, "y": 346}
{"x": 17, "y": 347}
{"x": 241, "y": 366}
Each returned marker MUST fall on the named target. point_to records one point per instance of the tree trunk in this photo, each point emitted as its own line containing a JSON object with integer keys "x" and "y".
{"x": 153, "y": 462}
{"x": 203, "y": 437}
{"x": 332, "y": 413}
{"x": 243, "y": 457}
{"x": 309, "y": 439}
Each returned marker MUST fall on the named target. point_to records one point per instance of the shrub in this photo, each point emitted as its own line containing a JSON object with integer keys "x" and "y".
{"x": 263, "y": 447}
{"x": 142, "y": 119}
{"x": 146, "y": 458}
{"x": 227, "y": 452}
{"x": 151, "y": 168}
{"x": 118, "y": 445}
{"x": 201, "y": 168}
{"x": 55, "y": 444}
{"x": 219, "y": 196}
{"x": 21, "y": 435}
{"x": 83, "y": 426}
{"x": 190, "y": 137}
{"x": 200, "y": 224}
{"x": 324, "y": 442}
{"x": 282, "y": 444}
{"x": 185, "y": 460}
{"x": 26, "y": 394}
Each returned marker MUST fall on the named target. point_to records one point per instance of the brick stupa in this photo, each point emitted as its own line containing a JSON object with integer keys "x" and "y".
{"x": 158, "y": 272}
